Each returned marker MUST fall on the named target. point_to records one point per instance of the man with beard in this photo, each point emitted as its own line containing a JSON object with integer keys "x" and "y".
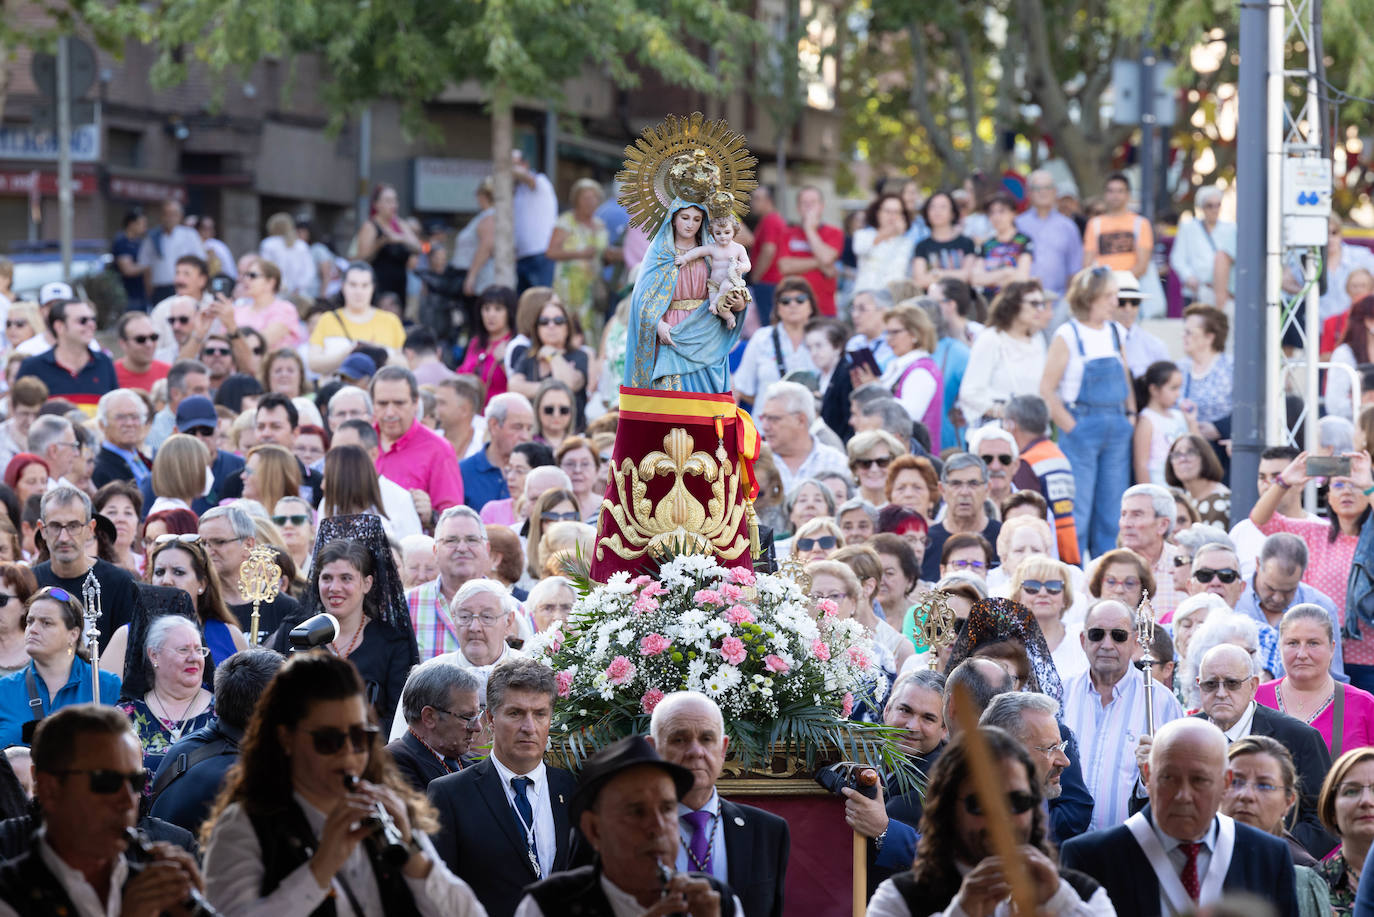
{"x": 964, "y": 486}
{"x": 956, "y": 870}
{"x": 1030, "y": 719}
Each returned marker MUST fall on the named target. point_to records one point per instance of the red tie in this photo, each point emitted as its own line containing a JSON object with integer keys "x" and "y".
{"x": 1189, "y": 876}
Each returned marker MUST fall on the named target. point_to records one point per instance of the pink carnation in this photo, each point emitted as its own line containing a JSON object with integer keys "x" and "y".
{"x": 653, "y": 588}
{"x": 708, "y": 597}
{"x": 620, "y": 670}
{"x": 820, "y": 650}
{"x": 847, "y": 705}
{"x": 742, "y": 576}
{"x": 653, "y": 644}
{"x": 738, "y": 614}
{"x": 775, "y": 663}
{"x": 645, "y": 604}
{"x": 732, "y": 648}
{"x": 730, "y": 592}
{"x": 858, "y": 657}
{"x": 643, "y": 579}
{"x": 827, "y": 607}
{"x": 650, "y": 700}
{"x": 564, "y": 681}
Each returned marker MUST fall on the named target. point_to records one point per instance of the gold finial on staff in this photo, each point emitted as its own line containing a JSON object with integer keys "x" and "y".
{"x": 259, "y": 581}
{"x": 1145, "y": 634}
{"x": 935, "y": 624}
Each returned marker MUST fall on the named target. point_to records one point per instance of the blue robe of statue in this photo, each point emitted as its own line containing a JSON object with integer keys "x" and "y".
{"x": 698, "y": 361}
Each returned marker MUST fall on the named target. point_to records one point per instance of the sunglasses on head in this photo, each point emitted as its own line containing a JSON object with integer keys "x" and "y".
{"x": 56, "y": 592}
{"x": 294, "y": 520}
{"x": 1098, "y": 634}
{"x": 997, "y": 459}
{"x": 330, "y": 740}
{"x": 191, "y": 538}
{"x": 1226, "y": 575}
{"x": 1034, "y": 586}
{"x": 144, "y": 338}
{"x": 1019, "y": 801}
{"x": 561, "y": 410}
{"x": 553, "y": 320}
{"x": 824, "y": 542}
{"x": 871, "y": 463}
{"x": 104, "y": 783}
{"x": 216, "y": 351}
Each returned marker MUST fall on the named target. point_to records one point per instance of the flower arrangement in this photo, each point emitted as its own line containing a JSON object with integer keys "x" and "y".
{"x": 750, "y": 641}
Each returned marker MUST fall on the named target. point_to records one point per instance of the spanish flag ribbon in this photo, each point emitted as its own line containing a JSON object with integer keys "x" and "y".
{"x": 698, "y": 409}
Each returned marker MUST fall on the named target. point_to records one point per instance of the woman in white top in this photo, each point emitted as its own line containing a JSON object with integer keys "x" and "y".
{"x": 473, "y": 247}
{"x": 1008, "y": 358}
{"x": 1044, "y": 586}
{"x": 291, "y": 254}
{"x": 912, "y": 375}
{"x": 1088, "y": 390}
{"x": 286, "y": 834}
{"x": 780, "y": 348}
{"x": 1355, "y": 348}
{"x": 883, "y": 247}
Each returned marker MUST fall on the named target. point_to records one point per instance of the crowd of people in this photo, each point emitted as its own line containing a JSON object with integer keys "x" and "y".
{"x": 957, "y": 400}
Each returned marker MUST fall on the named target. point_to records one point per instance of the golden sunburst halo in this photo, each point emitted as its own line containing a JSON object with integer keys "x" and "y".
{"x": 688, "y": 158}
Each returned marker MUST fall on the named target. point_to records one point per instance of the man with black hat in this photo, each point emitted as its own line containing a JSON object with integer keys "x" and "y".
{"x": 626, "y": 805}
{"x": 195, "y": 415}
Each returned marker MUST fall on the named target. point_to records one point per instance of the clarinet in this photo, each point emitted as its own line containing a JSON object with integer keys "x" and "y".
{"x": 195, "y": 903}
{"x": 386, "y": 840}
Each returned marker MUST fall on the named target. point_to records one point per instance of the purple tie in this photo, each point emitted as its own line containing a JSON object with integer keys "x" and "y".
{"x": 699, "y": 849}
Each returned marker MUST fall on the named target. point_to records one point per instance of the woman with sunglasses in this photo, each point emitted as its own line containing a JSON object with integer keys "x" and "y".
{"x": 1194, "y": 467}
{"x": 552, "y": 506}
{"x": 1342, "y": 713}
{"x": 295, "y": 519}
{"x": 871, "y": 453}
{"x": 835, "y": 582}
{"x": 177, "y": 704}
{"x": 816, "y": 539}
{"x": 1044, "y": 586}
{"x": 1009, "y": 358}
{"x": 553, "y": 413}
{"x": 780, "y": 348}
{"x": 287, "y": 834}
{"x": 1331, "y": 550}
{"x": 58, "y": 673}
{"x": 553, "y": 354}
{"x": 264, "y": 309}
{"x": 22, "y": 323}
{"x": 17, "y": 583}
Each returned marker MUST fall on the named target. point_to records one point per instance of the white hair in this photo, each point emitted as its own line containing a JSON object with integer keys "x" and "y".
{"x": 557, "y": 477}
{"x": 499, "y": 406}
{"x": 1160, "y": 499}
{"x": 102, "y": 408}
{"x": 796, "y": 398}
{"x": 1206, "y": 194}
{"x": 164, "y": 625}
{"x": 1222, "y": 626}
{"x": 676, "y": 701}
{"x": 350, "y": 390}
{"x": 417, "y": 542}
{"x": 477, "y": 586}
{"x": 977, "y": 437}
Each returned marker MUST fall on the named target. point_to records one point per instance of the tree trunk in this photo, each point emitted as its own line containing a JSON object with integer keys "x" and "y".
{"x": 502, "y": 129}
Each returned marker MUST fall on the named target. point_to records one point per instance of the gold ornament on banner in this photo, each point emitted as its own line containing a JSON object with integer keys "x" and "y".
{"x": 679, "y": 523}
{"x": 794, "y": 569}
{"x": 259, "y": 582}
{"x": 935, "y": 623}
{"x": 699, "y": 161}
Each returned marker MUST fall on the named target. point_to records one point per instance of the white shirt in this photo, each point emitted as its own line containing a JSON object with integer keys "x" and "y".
{"x": 1178, "y": 858}
{"x": 233, "y": 875}
{"x": 538, "y": 795}
{"x": 888, "y": 902}
{"x": 1000, "y": 367}
{"x": 1240, "y": 731}
{"x": 400, "y": 508}
{"x": 623, "y": 904}
{"x": 1194, "y": 253}
{"x": 820, "y": 458}
{"x": 1097, "y": 342}
{"x": 758, "y": 367}
{"x": 82, "y": 894}
{"x": 297, "y": 265}
{"x": 536, "y": 212}
{"x": 182, "y": 240}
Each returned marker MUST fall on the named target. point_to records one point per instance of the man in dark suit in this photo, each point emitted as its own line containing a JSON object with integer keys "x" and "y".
{"x": 442, "y": 714}
{"x": 503, "y": 823}
{"x": 1227, "y": 681}
{"x": 1177, "y": 854}
{"x": 123, "y": 420}
{"x": 744, "y": 847}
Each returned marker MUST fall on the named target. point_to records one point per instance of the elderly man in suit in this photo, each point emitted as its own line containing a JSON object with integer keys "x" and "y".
{"x": 1178, "y": 854}
{"x": 442, "y": 709}
{"x": 503, "y": 823}
{"x": 744, "y": 847}
{"x": 1227, "y": 678}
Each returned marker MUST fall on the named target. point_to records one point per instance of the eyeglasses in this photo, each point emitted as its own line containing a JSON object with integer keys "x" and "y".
{"x": 454, "y": 541}
{"x": 968, "y": 564}
{"x": 127, "y": 418}
{"x": 836, "y": 597}
{"x": 1226, "y": 575}
{"x": 997, "y": 459}
{"x": 1034, "y": 586}
{"x": 168, "y": 538}
{"x": 561, "y": 409}
{"x": 1129, "y": 583}
{"x": 179, "y": 319}
{"x": 1240, "y": 783}
{"x": 330, "y": 740}
{"x": 1185, "y": 454}
{"x": 216, "y": 351}
{"x": 552, "y": 320}
{"x": 793, "y": 301}
{"x": 468, "y": 722}
{"x": 1038, "y": 305}
{"x": 191, "y": 652}
{"x": 871, "y": 463}
{"x": 1353, "y": 790}
{"x": 81, "y": 319}
{"x": 1232, "y": 685}
{"x": 1019, "y": 801}
{"x": 293, "y": 520}
{"x": 1182, "y": 560}
{"x": 58, "y": 529}
{"x": 144, "y": 338}
{"x": 486, "y": 619}
{"x": 1050, "y": 751}
{"x": 571, "y": 515}
{"x": 1341, "y": 485}
{"x": 105, "y": 783}
{"x": 218, "y": 543}
{"x": 824, "y": 542}
{"x": 965, "y": 485}
{"x": 258, "y": 351}
{"x": 1119, "y": 634}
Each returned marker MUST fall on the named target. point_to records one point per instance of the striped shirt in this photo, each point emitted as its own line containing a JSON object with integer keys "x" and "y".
{"x": 435, "y": 632}
{"x": 1107, "y": 738}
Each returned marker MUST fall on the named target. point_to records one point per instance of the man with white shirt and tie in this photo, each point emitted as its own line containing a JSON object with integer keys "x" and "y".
{"x": 504, "y": 821}
{"x": 1178, "y": 855}
{"x": 744, "y": 847}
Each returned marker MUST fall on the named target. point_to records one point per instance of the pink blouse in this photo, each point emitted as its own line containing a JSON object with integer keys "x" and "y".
{"x": 1357, "y": 729}
{"x": 482, "y": 363}
{"x": 247, "y": 316}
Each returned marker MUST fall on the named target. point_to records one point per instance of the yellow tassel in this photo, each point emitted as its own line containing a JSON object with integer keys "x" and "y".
{"x": 755, "y": 547}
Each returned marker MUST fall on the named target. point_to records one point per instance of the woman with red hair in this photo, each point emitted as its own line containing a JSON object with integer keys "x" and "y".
{"x": 26, "y": 474}
{"x": 168, "y": 522}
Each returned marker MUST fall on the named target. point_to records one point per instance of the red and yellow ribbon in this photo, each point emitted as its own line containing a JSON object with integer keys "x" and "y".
{"x": 698, "y": 409}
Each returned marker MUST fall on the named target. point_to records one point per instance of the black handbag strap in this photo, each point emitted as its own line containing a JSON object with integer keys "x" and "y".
{"x": 35, "y": 703}
{"x": 777, "y": 353}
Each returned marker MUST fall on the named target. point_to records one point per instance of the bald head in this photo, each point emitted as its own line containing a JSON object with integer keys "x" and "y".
{"x": 1186, "y": 776}
{"x": 1185, "y": 736}
{"x": 1226, "y": 682}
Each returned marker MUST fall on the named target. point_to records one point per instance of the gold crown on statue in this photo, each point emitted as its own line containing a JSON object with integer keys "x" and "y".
{"x": 688, "y": 158}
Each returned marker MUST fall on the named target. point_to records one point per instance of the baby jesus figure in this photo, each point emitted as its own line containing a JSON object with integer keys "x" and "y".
{"x": 729, "y": 264}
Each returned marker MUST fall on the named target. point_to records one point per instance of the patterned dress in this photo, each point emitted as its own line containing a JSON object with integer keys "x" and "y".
{"x": 575, "y": 281}
{"x": 156, "y": 734}
{"x": 1342, "y": 883}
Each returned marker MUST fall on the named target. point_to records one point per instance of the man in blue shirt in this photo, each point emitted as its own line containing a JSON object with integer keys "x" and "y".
{"x": 510, "y": 421}
{"x": 123, "y": 419}
{"x": 1057, "y": 241}
{"x": 71, "y": 369}
{"x": 1277, "y": 586}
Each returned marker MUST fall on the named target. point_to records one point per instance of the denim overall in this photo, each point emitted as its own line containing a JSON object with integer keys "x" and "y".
{"x": 1099, "y": 448}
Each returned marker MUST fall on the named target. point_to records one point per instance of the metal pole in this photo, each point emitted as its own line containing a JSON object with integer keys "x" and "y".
{"x": 1311, "y": 427}
{"x": 1248, "y": 413}
{"x": 364, "y": 165}
{"x": 551, "y": 145}
{"x": 1147, "y": 122}
{"x": 64, "y": 155}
